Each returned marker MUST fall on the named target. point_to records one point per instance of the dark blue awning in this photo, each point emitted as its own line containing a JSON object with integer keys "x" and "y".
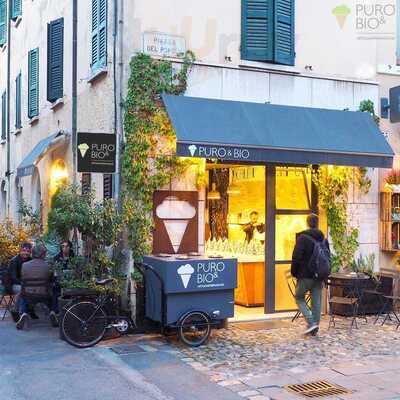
{"x": 38, "y": 152}
{"x": 233, "y": 130}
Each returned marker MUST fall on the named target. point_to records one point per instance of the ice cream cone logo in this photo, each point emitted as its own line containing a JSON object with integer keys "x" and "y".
{"x": 83, "y": 148}
{"x": 192, "y": 148}
{"x": 341, "y": 13}
{"x": 185, "y": 272}
{"x": 175, "y": 214}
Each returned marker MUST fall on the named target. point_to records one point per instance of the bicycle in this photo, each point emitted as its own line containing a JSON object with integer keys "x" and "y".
{"x": 85, "y": 322}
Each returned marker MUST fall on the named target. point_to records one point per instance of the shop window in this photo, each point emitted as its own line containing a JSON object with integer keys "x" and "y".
{"x": 16, "y": 9}
{"x": 293, "y": 188}
{"x": 99, "y": 35}
{"x": 33, "y": 83}
{"x": 268, "y": 31}
{"x": 3, "y": 22}
{"x": 55, "y": 59}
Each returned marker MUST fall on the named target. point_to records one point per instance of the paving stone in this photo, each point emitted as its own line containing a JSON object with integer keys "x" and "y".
{"x": 238, "y": 388}
{"x": 370, "y": 394}
{"x": 272, "y": 380}
{"x": 280, "y": 394}
{"x": 260, "y": 398}
{"x": 358, "y": 368}
{"x": 228, "y": 383}
{"x": 249, "y": 393}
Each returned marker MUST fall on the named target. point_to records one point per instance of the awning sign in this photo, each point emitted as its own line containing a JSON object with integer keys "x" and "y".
{"x": 96, "y": 152}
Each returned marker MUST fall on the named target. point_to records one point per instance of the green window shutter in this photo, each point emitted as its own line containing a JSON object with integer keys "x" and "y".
{"x": 3, "y": 116}
{"x": 33, "y": 83}
{"x": 257, "y": 30}
{"x": 16, "y": 8}
{"x": 3, "y": 22}
{"x": 99, "y": 34}
{"x": 18, "y": 124}
{"x": 55, "y": 59}
{"x": 284, "y": 32}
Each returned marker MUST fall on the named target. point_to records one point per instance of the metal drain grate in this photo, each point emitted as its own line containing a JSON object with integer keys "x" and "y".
{"x": 317, "y": 389}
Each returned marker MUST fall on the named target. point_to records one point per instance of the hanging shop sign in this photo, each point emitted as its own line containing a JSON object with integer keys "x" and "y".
{"x": 96, "y": 152}
{"x": 164, "y": 45}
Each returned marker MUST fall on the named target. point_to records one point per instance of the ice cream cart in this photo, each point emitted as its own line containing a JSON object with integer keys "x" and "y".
{"x": 189, "y": 294}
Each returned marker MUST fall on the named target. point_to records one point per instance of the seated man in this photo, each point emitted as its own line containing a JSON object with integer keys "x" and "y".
{"x": 39, "y": 273}
{"x": 14, "y": 273}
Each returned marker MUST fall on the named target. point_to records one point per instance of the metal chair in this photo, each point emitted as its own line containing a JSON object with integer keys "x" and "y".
{"x": 379, "y": 293}
{"x": 7, "y": 301}
{"x": 291, "y": 283}
{"x": 350, "y": 299}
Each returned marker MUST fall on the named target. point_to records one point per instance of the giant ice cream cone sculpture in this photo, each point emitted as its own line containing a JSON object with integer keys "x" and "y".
{"x": 185, "y": 272}
{"x": 341, "y": 13}
{"x": 175, "y": 215}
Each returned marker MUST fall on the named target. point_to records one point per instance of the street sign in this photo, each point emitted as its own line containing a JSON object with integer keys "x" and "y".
{"x": 394, "y": 94}
{"x": 96, "y": 152}
{"x": 161, "y": 44}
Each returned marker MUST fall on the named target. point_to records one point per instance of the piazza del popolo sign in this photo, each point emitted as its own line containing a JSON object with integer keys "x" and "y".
{"x": 96, "y": 152}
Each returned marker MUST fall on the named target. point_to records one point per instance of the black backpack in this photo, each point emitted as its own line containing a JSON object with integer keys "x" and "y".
{"x": 320, "y": 261}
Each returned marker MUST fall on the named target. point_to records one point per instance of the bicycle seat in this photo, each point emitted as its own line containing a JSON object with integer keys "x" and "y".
{"x": 104, "y": 282}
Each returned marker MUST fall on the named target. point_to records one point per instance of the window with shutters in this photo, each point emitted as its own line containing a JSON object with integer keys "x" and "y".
{"x": 16, "y": 9}
{"x": 3, "y": 116}
{"x": 33, "y": 83}
{"x": 107, "y": 186}
{"x": 99, "y": 35}
{"x": 18, "y": 123}
{"x": 268, "y": 31}
{"x": 55, "y": 59}
{"x": 3, "y": 22}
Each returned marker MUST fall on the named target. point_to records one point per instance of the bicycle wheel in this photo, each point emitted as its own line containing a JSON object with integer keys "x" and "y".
{"x": 83, "y": 324}
{"x": 195, "y": 328}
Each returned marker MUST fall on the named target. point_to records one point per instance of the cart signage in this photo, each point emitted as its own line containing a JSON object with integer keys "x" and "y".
{"x": 206, "y": 274}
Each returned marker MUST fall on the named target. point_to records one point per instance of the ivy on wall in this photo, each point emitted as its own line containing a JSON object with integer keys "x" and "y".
{"x": 333, "y": 189}
{"x": 148, "y": 161}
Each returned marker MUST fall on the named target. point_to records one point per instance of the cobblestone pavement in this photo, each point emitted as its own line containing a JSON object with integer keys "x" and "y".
{"x": 258, "y": 363}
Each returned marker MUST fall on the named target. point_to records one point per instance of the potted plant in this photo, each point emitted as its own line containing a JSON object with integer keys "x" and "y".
{"x": 393, "y": 181}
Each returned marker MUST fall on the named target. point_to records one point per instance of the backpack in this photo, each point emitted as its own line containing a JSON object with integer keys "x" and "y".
{"x": 320, "y": 261}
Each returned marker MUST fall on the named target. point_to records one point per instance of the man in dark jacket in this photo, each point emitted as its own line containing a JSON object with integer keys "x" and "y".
{"x": 306, "y": 282}
{"x": 37, "y": 270}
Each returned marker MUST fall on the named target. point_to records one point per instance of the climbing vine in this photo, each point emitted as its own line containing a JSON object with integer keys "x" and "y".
{"x": 148, "y": 161}
{"x": 333, "y": 187}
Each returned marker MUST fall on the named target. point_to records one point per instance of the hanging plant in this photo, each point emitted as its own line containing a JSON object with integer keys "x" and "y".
{"x": 148, "y": 161}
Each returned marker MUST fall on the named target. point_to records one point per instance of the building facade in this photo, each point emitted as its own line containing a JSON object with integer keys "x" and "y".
{"x": 319, "y": 55}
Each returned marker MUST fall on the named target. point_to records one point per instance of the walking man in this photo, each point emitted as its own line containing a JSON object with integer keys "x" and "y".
{"x": 310, "y": 266}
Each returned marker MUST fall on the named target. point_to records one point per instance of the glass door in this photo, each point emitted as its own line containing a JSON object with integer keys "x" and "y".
{"x": 290, "y": 198}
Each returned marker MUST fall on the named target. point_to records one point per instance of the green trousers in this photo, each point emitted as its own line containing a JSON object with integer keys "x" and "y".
{"x": 315, "y": 289}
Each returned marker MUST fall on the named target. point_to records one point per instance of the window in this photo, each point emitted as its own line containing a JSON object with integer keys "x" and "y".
{"x": 33, "y": 83}
{"x": 55, "y": 59}
{"x": 3, "y": 116}
{"x": 268, "y": 31}
{"x": 99, "y": 34}
{"x": 107, "y": 186}
{"x": 3, "y": 22}
{"x": 86, "y": 183}
{"x": 18, "y": 123}
{"x": 16, "y": 8}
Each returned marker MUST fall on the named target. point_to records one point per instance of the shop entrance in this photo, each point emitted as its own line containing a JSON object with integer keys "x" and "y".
{"x": 253, "y": 213}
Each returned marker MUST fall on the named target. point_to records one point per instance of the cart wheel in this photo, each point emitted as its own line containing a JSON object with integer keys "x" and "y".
{"x": 194, "y": 328}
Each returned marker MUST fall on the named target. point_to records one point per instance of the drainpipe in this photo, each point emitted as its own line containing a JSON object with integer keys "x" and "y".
{"x": 74, "y": 87}
{"x": 115, "y": 99}
{"x": 8, "y": 138}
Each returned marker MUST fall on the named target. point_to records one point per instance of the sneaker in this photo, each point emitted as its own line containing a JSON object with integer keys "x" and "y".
{"x": 311, "y": 329}
{"x": 314, "y": 333}
{"x": 53, "y": 319}
{"x": 21, "y": 322}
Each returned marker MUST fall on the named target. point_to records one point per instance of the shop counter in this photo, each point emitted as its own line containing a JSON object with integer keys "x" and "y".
{"x": 251, "y": 281}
